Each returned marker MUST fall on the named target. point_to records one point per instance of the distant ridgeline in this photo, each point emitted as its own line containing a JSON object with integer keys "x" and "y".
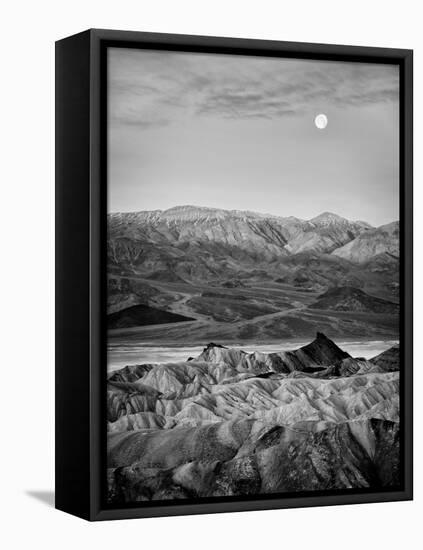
{"x": 191, "y": 243}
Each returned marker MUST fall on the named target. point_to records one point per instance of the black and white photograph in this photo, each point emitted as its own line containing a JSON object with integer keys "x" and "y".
{"x": 253, "y": 280}
{"x": 210, "y": 242}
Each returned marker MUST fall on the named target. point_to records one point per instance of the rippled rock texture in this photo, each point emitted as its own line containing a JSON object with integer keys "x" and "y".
{"x": 234, "y": 423}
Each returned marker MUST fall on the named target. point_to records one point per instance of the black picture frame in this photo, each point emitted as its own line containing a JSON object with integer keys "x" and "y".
{"x": 81, "y": 172}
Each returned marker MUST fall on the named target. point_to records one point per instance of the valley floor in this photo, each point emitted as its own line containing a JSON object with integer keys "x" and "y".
{"x": 257, "y": 311}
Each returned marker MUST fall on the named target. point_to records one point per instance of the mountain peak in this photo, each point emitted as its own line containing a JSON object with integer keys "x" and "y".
{"x": 321, "y": 336}
{"x": 323, "y": 351}
{"x": 189, "y": 208}
{"x": 327, "y": 217}
{"x": 189, "y": 212}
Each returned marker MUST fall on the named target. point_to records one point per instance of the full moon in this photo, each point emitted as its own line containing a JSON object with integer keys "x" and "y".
{"x": 321, "y": 121}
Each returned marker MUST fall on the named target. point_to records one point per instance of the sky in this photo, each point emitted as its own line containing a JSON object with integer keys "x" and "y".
{"x": 238, "y": 132}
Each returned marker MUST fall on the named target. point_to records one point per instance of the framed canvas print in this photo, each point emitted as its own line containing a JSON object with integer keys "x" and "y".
{"x": 234, "y": 274}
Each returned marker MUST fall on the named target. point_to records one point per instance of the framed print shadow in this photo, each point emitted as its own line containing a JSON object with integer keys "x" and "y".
{"x": 233, "y": 274}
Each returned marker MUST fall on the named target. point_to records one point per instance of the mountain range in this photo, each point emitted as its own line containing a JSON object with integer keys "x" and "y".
{"x": 260, "y": 274}
{"x": 192, "y": 243}
{"x": 256, "y": 235}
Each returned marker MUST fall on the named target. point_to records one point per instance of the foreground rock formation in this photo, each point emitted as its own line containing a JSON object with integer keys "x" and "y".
{"x": 235, "y": 423}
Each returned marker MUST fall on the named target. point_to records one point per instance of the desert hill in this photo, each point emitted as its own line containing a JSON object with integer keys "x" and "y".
{"x": 368, "y": 245}
{"x": 140, "y": 315}
{"x": 229, "y": 423}
{"x": 388, "y": 360}
{"x": 353, "y": 299}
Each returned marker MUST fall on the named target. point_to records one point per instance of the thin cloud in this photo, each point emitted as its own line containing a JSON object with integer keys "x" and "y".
{"x": 148, "y": 88}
